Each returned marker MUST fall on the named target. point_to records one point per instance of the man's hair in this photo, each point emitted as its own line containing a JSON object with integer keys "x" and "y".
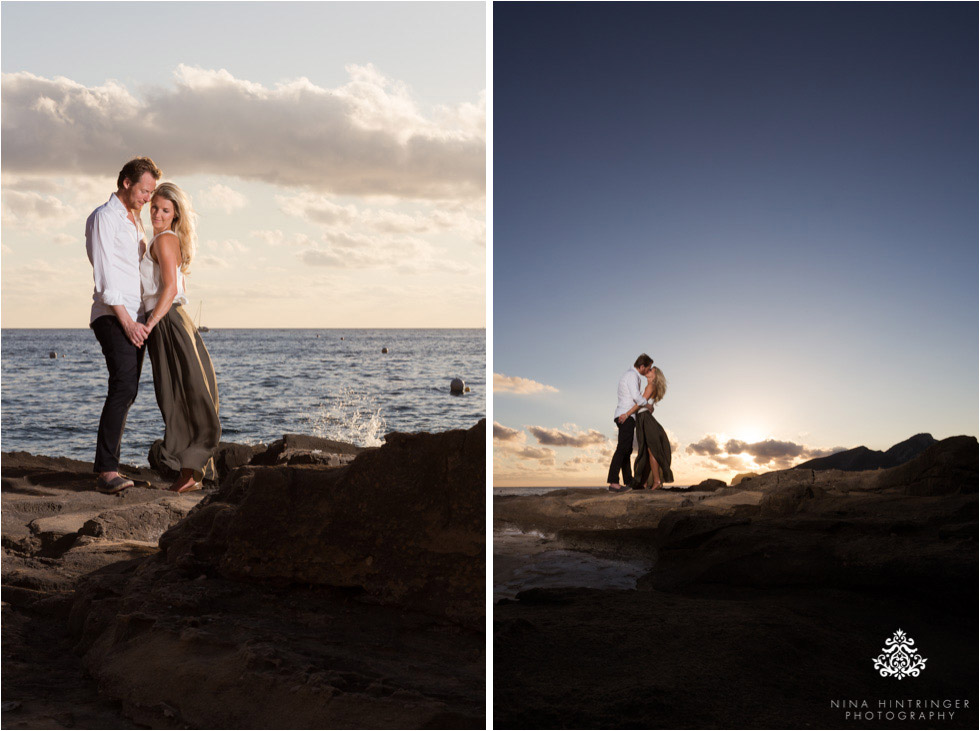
{"x": 643, "y": 360}
{"x": 136, "y": 168}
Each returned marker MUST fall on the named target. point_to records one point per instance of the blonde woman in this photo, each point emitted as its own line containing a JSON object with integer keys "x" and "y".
{"x": 653, "y": 460}
{"x": 183, "y": 376}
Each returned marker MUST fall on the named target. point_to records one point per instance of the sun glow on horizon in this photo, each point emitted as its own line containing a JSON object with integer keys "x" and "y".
{"x": 750, "y": 434}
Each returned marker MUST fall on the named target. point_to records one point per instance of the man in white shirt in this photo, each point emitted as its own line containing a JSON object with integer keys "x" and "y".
{"x": 114, "y": 242}
{"x": 630, "y": 399}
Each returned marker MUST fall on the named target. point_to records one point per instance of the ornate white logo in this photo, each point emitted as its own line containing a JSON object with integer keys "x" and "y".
{"x": 899, "y": 658}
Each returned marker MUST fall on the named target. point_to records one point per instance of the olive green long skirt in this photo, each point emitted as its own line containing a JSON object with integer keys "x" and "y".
{"x": 651, "y": 436}
{"x": 187, "y": 393}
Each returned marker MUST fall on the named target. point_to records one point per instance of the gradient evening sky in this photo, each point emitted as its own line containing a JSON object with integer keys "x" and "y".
{"x": 778, "y": 202}
{"x": 334, "y": 151}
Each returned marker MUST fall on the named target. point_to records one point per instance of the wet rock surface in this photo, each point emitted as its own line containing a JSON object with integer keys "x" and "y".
{"x": 758, "y": 611}
{"x": 294, "y": 595}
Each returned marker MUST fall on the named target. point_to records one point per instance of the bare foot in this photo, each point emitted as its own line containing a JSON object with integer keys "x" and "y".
{"x": 656, "y": 485}
{"x": 185, "y": 483}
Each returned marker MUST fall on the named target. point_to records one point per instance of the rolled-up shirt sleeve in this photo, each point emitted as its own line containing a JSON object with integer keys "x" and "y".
{"x": 100, "y": 233}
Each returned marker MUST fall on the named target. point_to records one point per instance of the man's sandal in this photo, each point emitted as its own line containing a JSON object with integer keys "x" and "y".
{"x": 111, "y": 487}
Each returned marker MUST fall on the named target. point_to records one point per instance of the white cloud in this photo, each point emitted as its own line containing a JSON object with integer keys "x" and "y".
{"x": 356, "y": 251}
{"x": 316, "y": 208}
{"x": 516, "y": 384}
{"x": 367, "y": 137}
{"x": 58, "y": 275}
{"x": 33, "y": 211}
{"x": 467, "y": 221}
{"x": 44, "y": 204}
{"x": 506, "y": 434}
{"x": 220, "y": 198}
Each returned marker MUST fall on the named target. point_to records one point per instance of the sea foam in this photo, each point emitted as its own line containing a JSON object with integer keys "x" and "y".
{"x": 350, "y": 418}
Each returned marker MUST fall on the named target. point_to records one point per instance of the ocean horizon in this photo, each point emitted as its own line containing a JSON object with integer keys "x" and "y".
{"x": 330, "y": 382}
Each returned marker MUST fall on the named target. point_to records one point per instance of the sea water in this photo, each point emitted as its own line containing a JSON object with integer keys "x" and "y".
{"x": 533, "y": 560}
{"x": 331, "y": 383}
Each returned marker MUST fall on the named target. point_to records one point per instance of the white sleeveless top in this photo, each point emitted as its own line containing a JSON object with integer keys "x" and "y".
{"x": 151, "y": 282}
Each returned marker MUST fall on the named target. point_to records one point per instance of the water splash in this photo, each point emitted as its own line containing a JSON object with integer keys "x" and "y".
{"x": 350, "y": 418}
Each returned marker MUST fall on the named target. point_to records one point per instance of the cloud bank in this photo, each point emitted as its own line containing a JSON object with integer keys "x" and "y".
{"x": 505, "y": 433}
{"x": 518, "y": 385}
{"x": 459, "y": 218}
{"x": 513, "y": 459}
{"x": 558, "y": 438}
{"x": 770, "y": 454}
{"x": 367, "y": 137}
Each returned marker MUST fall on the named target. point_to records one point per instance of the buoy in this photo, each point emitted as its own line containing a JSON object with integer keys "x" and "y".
{"x": 466, "y": 390}
{"x": 384, "y": 350}
{"x": 457, "y": 386}
{"x": 52, "y": 354}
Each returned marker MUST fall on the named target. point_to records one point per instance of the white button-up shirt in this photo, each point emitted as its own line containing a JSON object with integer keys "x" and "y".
{"x": 113, "y": 244}
{"x": 630, "y": 392}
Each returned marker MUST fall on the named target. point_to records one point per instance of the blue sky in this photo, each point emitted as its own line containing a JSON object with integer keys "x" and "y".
{"x": 778, "y": 202}
{"x": 334, "y": 151}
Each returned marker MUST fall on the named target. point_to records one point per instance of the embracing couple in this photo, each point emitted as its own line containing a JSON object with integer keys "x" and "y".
{"x": 138, "y": 301}
{"x": 634, "y": 417}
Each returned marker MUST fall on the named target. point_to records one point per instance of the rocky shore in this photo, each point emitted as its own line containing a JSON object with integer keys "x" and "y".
{"x": 312, "y": 585}
{"x": 766, "y": 604}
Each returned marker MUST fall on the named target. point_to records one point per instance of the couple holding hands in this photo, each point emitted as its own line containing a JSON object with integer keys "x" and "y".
{"x": 634, "y": 417}
{"x": 139, "y": 295}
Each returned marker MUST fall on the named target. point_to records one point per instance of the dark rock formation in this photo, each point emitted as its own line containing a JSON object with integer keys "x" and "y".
{"x": 885, "y": 530}
{"x": 757, "y": 614}
{"x": 709, "y": 485}
{"x": 862, "y": 458}
{"x": 56, "y": 527}
{"x": 721, "y": 658}
{"x": 911, "y": 447}
{"x": 404, "y": 523}
{"x": 308, "y": 597}
{"x": 291, "y": 449}
{"x": 230, "y": 456}
{"x": 945, "y": 468}
{"x": 291, "y": 445}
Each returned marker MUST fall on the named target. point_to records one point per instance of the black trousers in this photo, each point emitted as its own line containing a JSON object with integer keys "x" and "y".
{"x": 621, "y": 457}
{"x": 125, "y": 363}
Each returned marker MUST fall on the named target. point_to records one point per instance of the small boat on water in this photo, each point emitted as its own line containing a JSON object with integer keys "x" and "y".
{"x": 201, "y": 328}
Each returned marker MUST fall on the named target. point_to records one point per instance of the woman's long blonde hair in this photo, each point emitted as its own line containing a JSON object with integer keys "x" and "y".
{"x": 659, "y": 384}
{"x": 184, "y": 223}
